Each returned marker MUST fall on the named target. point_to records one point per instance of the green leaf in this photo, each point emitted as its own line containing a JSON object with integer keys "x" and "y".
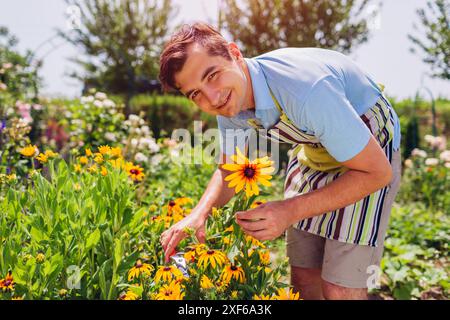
{"x": 93, "y": 239}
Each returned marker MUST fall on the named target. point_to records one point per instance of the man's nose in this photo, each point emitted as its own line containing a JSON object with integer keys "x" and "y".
{"x": 213, "y": 96}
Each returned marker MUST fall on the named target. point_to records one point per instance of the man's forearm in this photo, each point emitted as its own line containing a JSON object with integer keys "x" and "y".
{"x": 349, "y": 188}
{"x": 217, "y": 194}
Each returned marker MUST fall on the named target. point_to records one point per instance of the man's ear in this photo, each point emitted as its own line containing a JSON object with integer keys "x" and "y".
{"x": 234, "y": 50}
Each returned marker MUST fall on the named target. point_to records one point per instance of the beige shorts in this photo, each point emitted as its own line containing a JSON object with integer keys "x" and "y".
{"x": 344, "y": 264}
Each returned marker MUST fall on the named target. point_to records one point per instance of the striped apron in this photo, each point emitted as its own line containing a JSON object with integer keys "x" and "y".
{"x": 357, "y": 223}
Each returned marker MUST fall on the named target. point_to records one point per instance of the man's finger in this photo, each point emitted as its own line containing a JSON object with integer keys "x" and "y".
{"x": 250, "y": 214}
{"x": 260, "y": 235}
{"x": 176, "y": 237}
{"x": 252, "y": 225}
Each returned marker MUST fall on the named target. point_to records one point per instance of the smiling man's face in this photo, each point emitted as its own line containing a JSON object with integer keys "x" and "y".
{"x": 216, "y": 85}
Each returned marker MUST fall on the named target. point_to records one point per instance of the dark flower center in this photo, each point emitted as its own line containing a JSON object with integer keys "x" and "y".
{"x": 134, "y": 171}
{"x": 249, "y": 172}
{"x": 233, "y": 268}
{"x": 171, "y": 203}
{"x": 167, "y": 269}
{"x": 138, "y": 264}
{"x": 7, "y": 283}
{"x": 210, "y": 252}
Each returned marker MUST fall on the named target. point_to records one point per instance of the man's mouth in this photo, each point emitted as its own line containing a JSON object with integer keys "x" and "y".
{"x": 225, "y": 102}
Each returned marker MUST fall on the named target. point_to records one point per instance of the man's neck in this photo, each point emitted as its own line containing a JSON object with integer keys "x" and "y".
{"x": 249, "y": 103}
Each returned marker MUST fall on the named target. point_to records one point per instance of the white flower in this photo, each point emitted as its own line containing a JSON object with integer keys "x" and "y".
{"x": 447, "y": 165}
{"x": 37, "y": 107}
{"x": 87, "y": 99}
{"x": 109, "y": 103}
{"x": 408, "y": 163}
{"x": 140, "y": 157}
{"x": 9, "y": 111}
{"x": 145, "y": 130}
{"x": 429, "y": 138}
{"x": 110, "y": 136}
{"x": 133, "y": 118}
{"x": 431, "y": 161}
{"x": 156, "y": 160}
{"x": 419, "y": 153}
{"x": 134, "y": 142}
{"x": 439, "y": 143}
{"x": 100, "y": 95}
{"x": 445, "y": 156}
{"x": 98, "y": 104}
{"x": 150, "y": 144}
{"x": 3, "y": 86}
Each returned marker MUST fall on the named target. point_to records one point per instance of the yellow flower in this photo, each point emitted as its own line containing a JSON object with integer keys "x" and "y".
{"x": 104, "y": 171}
{"x": 189, "y": 255}
{"x": 254, "y": 242}
{"x": 231, "y": 271}
{"x": 229, "y": 229}
{"x": 234, "y": 294}
{"x": 104, "y": 149}
{"x": 170, "y": 291}
{"x": 118, "y": 163}
{"x": 139, "y": 268}
{"x": 130, "y": 295}
{"x": 289, "y": 295}
{"x": 206, "y": 283}
{"x": 40, "y": 257}
{"x": 83, "y": 160}
{"x": 135, "y": 172}
{"x": 116, "y": 152}
{"x": 29, "y": 151}
{"x": 213, "y": 257}
{"x": 62, "y": 292}
{"x": 226, "y": 240}
{"x": 247, "y": 173}
{"x": 8, "y": 283}
{"x": 50, "y": 154}
{"x": 17, "y": 298}
{"x": 42, "y": 158}
{"x": 99, "y": 159}
{"x": 264, "y": 257}
{"x": 93, "y": 168}
{"x": 257, "y": 204}
{"x": 167, "y": 273}
{"x": 215, "y": 213}
{"x": 88, "y": 152}
{"x": 77, "y": 168}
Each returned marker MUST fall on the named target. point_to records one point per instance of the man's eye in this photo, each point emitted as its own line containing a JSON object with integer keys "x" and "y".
{"x": 194, "y": 94}
{"x": 212, "y": 75}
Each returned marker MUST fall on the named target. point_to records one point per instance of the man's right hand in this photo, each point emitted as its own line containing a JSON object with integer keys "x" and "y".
{"x": 172, "y": 236}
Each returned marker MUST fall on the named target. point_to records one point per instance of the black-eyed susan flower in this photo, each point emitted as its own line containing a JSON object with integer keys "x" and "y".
{"x": 7, "y": 284}
{"x": 50, "y": 154}
{"x": 17, "y": 298}
{"x": 232, "y": 271}
{"x": 167, "y": 273}
{"x": 104, "y": 171}
{"x": 29, "y": 151}
{"x": 283, "y": 294}
{"x": 213, "y": 257}
{"x": 129, "y": 295}
{"x": 171, "y": 291}
{"x": 246, "y": 174}
{"x": 139, "y": 268}
{"x": 135, "y": 172}
{"x": 254, "y": 242}
{"x": 189, "y": 254}
{"x": 99, "y": 158}
{"x": 88, "y": 152}
{"x": 93, "y": 168}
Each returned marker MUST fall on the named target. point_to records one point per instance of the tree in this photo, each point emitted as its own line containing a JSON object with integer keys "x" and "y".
{"x": 122, "y": 40}
{"x": 436, "y": 45}
{"x": 264, "y": 25}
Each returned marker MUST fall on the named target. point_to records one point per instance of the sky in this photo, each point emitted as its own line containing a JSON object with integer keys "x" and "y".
{"x": 386, "y": 56}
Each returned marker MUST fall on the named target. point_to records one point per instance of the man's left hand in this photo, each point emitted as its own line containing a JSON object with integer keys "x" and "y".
{"x": 267, "y": 221}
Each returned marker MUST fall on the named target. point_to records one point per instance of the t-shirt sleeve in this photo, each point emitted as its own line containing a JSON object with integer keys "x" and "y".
{"x": 232, "y": 134}
{"x": 329, "y": 114}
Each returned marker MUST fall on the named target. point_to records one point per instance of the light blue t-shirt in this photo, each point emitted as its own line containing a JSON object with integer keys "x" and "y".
{"x": 323, "y": 92}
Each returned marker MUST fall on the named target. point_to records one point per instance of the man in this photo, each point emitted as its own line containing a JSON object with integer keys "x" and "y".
{"x": 344, "y": 170}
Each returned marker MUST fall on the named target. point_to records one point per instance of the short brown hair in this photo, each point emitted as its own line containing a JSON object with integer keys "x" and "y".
{"x": 174, "y": 55}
